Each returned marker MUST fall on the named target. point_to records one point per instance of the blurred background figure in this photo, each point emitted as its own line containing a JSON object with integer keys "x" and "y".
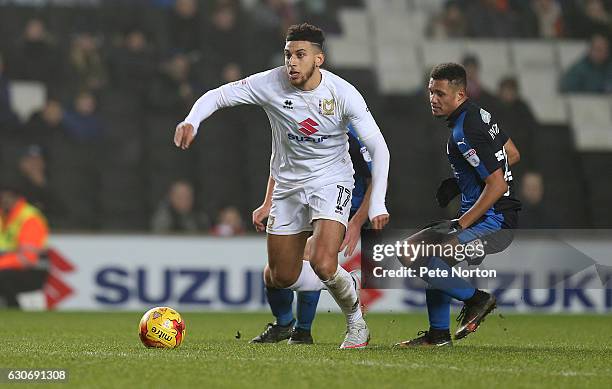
{"x": 46, "y": 125}
{"x": 475, "y": 89}
{"x": 184, "y": 27}
{"x": 23, "y": 241}
{"x": 175, "y": 88}
{"x": 34, "y": 184}
{"x": 36, "y": 56}
{"x": 534, "y": 213}
{"x": 450, "y": 23}
{"x": 8, "y": 119}
{"x": 87, "y": 66}
{"x": 593, "y": 72}
{"x": 82, "y": 121}
{"x": 176, "y": 213}
{"x": 549, "y": 18}
{"x": 518, "y": 122}
{"x": 229, "y": 223}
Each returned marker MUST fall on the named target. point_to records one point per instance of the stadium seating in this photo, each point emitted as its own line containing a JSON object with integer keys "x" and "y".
{"x": 382, "y": 49}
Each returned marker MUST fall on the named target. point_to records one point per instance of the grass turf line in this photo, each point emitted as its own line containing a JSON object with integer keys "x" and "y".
{"x": 103, "y": 350}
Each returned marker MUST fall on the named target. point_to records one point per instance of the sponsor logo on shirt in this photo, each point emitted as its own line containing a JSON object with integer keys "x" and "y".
{"x": 494, "y": 131}
{"x": 298, "y": 138}
{"x": 288, "y": 104}
{"x": 308, "y": 127}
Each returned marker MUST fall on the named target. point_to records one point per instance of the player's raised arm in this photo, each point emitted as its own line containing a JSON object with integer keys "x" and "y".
{"x": 228, "y": 95}
{"x": 369, "y": 134}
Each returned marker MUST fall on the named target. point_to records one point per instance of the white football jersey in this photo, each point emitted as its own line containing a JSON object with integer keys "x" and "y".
{"x": 309, "y": 128}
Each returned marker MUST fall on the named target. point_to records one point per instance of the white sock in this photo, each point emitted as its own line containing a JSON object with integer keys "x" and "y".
{"x": 308, "y": 280}
{"x": 342, "y": 289}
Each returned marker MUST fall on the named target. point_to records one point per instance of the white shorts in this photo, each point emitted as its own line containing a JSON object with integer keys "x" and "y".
{"x": 295, "y": 208}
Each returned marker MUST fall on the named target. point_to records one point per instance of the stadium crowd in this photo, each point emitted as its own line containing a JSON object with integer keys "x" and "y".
{"x": 119, "y": 75}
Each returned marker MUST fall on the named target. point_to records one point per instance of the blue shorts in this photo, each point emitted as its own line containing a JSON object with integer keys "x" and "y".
{"x": 494, "y": 230}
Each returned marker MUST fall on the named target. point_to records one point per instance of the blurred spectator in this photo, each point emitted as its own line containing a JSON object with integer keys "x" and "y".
{"x": 534, "y": 213}
{"x": 46, "y": 125}
{"x": 176, "y": 213}
{"x": 229, "y": 223}
{"x": 36, "y": 56}
{"x": 225, "y": 43}
{"x": 184, "y": 26}
{"x": 549, "y": 18}
{"x": 87, "y": 65}
{"x": 8, "y": 119}
{"x": 275, "y": 15}
{"x": 133, "y": 63}
{"x": 450, "y": 23}
{"x": 34, "y": 184}
{"x": 517, "y": 120}
{"x": 593, "y": 72}
{"x": 174, "y": 90}
{"x": 321, "y": 13}
{"x": 475, "y": 90}
{"x": 590, "y": 17}
{"x": 493, "y": 19}
{"x": 82, "y": 122}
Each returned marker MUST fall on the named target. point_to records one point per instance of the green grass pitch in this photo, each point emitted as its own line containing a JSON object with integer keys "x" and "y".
{"x": 102, "y": 350}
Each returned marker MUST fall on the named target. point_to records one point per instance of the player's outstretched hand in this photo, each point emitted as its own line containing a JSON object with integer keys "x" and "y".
{"x": 380, "y": 221}
{"x": 184, "y": 135}
{"x": 259, "y": 215}
{"x": 351, "y": 238}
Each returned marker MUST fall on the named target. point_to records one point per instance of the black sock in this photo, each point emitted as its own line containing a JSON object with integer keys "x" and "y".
{"x": 435, "y": 333}
{"x": 478, "y": 297}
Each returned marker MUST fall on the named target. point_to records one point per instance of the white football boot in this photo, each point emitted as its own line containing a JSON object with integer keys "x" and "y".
{"x": 357, "y": 334}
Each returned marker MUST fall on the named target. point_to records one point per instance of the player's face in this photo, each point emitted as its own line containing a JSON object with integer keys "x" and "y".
{"x": 444, "y": 97}
{"x": 302, "y": 59}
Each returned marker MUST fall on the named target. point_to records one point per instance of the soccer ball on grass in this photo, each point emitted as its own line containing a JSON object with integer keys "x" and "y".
{"x": 161, "y": 327}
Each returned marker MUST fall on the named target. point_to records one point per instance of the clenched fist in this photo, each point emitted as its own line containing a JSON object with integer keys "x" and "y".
{"x": 184, "y": 135}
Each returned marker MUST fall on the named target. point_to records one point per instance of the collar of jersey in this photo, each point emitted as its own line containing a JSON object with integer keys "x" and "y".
{"x": 452, "y": 118}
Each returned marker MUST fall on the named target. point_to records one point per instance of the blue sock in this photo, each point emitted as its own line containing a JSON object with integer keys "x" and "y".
{"x": 281, "y": 304}
{"x": 455, "y": 287}
{"x": 438, "y": 309}
{"x": 307, "y": 308}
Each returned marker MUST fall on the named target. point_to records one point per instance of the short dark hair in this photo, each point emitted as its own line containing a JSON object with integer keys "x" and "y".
{"x": 305, "y": 32}
{"x": 453, "y": 72}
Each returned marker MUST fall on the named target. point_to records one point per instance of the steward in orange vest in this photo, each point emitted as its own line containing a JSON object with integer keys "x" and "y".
{"x": 23, "y": 244}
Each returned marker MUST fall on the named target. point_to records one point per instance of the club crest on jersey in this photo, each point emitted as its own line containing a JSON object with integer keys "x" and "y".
{"x": 486, "y": 117}
{"x": 472, "y": 157}
{"x": 327, "y": 107}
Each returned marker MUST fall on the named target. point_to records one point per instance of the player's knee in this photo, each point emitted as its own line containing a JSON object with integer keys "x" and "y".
{"x": 324, "y": 267}
{"x": 267, "y": 276}
{"x": 283, "y": 279}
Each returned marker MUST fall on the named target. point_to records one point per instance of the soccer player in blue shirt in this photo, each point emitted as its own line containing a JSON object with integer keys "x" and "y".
{"x": 281, "y": 300}
{"x": 480, "y": 154}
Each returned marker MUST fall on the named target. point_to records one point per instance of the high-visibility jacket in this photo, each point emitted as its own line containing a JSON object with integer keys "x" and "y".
{"x": 23, "y": 236}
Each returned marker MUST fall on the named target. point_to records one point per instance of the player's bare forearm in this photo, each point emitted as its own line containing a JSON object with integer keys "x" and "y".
{"x": 361, "y": 216}
{"x": 263, "y": 211}
{"x": 514, "y": 156}
{"x": 495, "y": 187}
{"x": 269, "y": 190}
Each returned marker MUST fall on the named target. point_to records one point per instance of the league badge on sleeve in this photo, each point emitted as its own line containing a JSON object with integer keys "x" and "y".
{"x": 472, "y": 157}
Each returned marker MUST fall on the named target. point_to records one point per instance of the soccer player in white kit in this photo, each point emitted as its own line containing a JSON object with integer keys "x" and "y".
{"x": 311, "y": 174}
